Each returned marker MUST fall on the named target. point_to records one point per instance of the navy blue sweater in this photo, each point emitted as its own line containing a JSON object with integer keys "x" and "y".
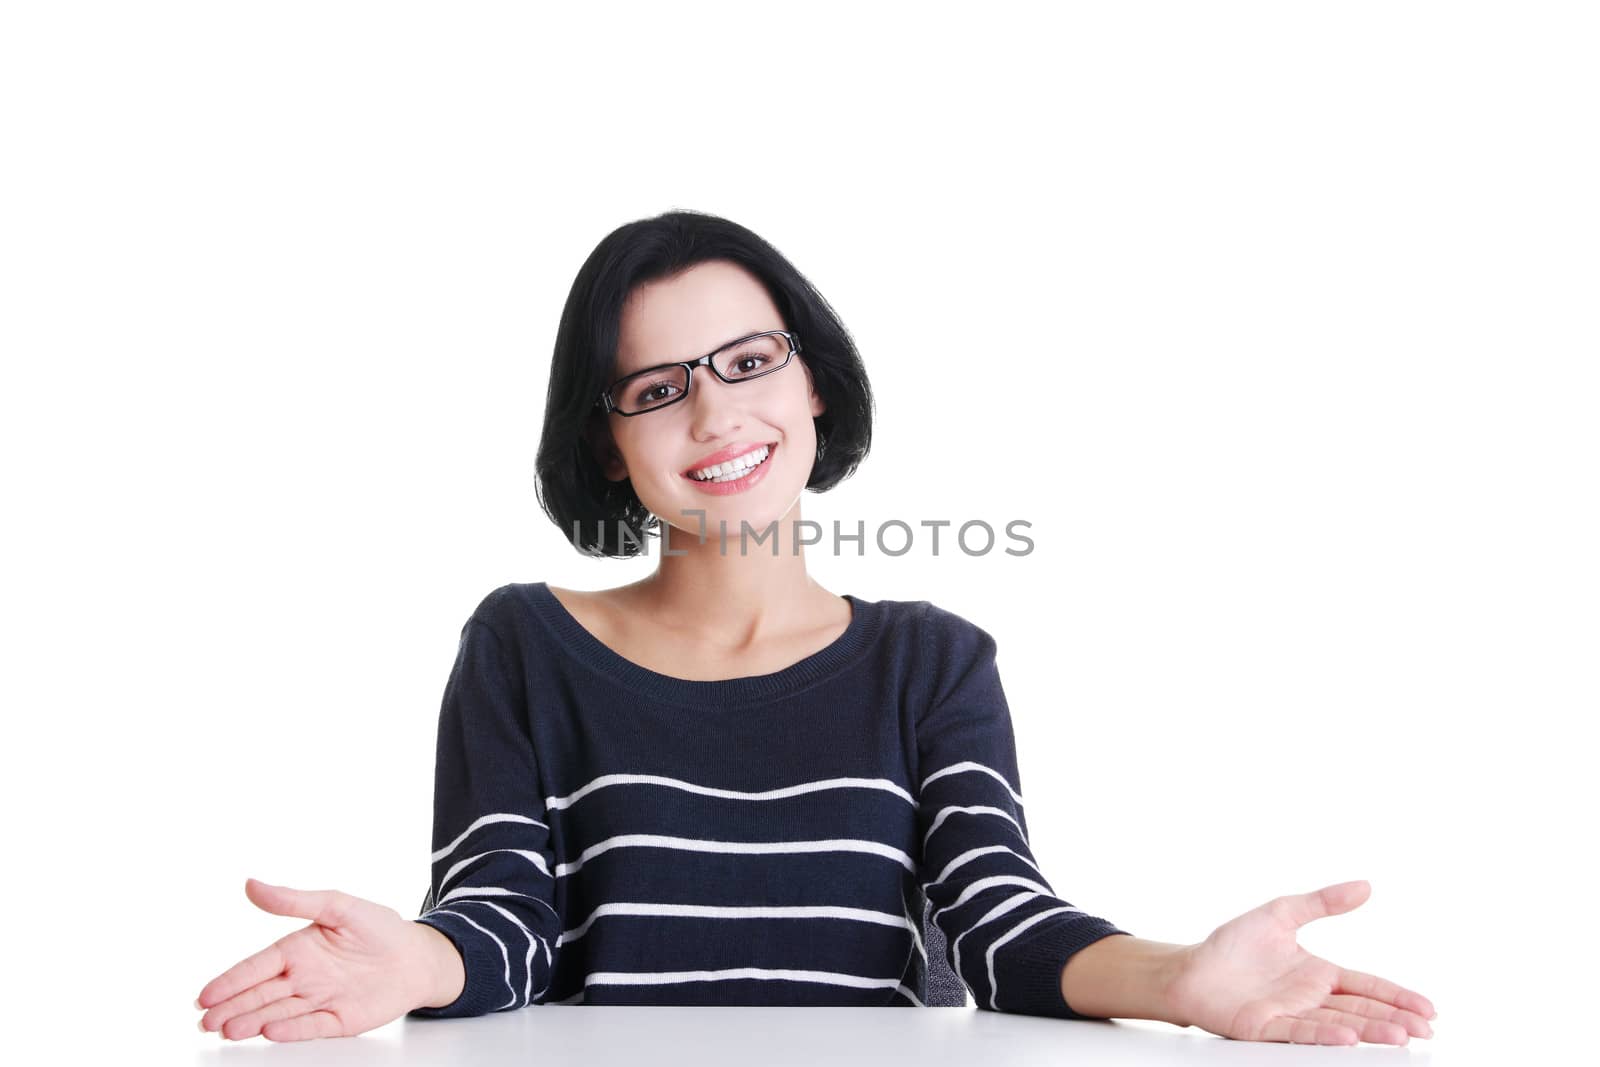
{"x": 604, "y": 834}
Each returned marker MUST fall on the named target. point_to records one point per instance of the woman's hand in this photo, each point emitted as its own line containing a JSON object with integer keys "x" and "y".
{"x": 357, "y": 966}
{"x": 1250, "y": 980}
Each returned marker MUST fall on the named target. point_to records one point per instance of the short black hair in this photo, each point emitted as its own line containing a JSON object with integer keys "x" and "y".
{"x": 570, "y": 484}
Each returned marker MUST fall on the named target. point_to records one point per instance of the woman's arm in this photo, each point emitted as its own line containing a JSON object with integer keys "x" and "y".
{"x": 491, "y": 894}
{"x": 1007, "y": 934}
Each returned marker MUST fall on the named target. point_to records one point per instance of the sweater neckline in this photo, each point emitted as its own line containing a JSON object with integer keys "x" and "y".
{"x": 844, "y": 649}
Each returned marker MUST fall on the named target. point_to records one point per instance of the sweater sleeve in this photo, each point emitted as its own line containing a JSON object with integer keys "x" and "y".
{"x": 492, "y": 881}
{"x": 1007, "y": 935}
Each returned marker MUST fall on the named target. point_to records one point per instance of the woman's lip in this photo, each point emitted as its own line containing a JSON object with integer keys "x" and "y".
{"x": 769, "y": 445}
{"x": 746, "y": 481}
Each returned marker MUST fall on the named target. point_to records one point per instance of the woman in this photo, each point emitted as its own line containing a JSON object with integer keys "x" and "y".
{"x": 725, "y": 784}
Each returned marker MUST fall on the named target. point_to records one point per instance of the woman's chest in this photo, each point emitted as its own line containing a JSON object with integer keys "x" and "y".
{"x": 693, "y": 663}
{"x": 658, "y": 649}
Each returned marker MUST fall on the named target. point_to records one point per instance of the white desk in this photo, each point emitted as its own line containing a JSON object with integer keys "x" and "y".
{"x": 561, "y": 1036}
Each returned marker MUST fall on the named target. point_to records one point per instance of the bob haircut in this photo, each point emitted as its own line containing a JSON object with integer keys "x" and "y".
{"x": 570, "y": 484}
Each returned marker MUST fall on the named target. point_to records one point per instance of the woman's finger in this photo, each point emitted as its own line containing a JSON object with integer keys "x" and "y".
{"x": 250, "y": 971}
{"x": 251, "y": 1023}
{"x": 252, "y": 999}
{"x": 324, "y": 906}
{"x": 1375, "y": 1031}
{"x": 1415, "y": 1024}
{"x": 312, "y": 1024}
{"x": 1301, "y": 908}
{"x": 1301, "y": 1031}
{"x": 1368, "y": 985}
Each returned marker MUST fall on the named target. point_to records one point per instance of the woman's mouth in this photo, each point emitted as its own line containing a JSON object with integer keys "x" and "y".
{"x": 740, "y": 479}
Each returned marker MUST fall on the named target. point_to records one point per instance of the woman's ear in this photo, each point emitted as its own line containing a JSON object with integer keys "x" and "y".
{"x": 604, "y": 450}
{"x": 818, "y": 405}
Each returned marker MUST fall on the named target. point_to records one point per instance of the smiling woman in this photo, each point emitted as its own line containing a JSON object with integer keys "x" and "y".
{"x": 624, "y": 417}
{"x": 725, "y": 784}
{"x": 748, "y": 427}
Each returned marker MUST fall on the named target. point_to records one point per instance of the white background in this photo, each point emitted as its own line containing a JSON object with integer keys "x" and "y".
{"x": 1276, "y": 321}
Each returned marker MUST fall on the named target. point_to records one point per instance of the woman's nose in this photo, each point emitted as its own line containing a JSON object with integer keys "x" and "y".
{"x": 711, "y": 403}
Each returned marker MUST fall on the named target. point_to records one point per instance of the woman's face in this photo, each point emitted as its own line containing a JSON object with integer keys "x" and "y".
{"x": 683, "y": 318}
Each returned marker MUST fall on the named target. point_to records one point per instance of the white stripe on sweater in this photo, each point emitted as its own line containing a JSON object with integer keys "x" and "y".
{"x": 503, "y": 816}
{"x": 713, "y": 911}
{"x": 695, "y": 844}
{"x": 969, "y": 765}
{"x": 554, "y": 803}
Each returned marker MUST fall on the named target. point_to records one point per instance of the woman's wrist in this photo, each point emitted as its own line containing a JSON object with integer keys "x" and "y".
{"x": 1125, "y": 977}
{"x": 442, "y": 974}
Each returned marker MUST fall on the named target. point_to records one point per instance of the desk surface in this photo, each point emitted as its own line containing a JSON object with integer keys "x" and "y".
{"x": 713, "y": 1036}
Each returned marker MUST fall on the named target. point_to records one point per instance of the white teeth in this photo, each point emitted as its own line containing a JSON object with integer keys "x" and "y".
{"x": 734, "y": 468}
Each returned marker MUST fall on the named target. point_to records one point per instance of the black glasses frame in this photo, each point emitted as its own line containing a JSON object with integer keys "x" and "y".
{"x": 605, "y": 404}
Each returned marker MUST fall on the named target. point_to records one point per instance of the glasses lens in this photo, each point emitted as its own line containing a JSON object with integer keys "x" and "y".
{"x": 753, "y": 358}
{"x": 653, "y": 389}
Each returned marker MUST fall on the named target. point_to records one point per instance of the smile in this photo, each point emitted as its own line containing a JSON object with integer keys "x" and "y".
{"x": 735, "y": 476}
{"x": 734, "y": 469}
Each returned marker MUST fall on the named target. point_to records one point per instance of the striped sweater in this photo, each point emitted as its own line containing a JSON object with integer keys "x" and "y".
{"x": 846, "y": 831}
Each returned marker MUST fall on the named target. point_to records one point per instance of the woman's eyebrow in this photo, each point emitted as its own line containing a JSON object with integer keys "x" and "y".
{"x": 720, "y": 347}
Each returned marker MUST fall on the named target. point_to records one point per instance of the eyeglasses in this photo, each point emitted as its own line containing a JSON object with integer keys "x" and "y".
{"x": 738, "y": 361}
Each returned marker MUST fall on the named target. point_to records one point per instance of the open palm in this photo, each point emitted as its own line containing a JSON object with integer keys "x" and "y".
{"x": 353, "y": 968}
{"x": 1251, "y": 980}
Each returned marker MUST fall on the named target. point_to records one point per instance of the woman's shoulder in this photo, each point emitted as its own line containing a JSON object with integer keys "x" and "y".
{"x": 934, "y": 623}
{"x": 505, "y": 607}
{"x": 512, "y": 607}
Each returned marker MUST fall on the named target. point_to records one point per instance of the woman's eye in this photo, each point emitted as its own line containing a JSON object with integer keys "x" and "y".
{"x": 757, "y": 360}
{"x": 652, "y": 393}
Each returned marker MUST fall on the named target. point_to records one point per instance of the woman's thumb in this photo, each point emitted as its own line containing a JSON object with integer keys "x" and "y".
{"x": 315, "y": 904}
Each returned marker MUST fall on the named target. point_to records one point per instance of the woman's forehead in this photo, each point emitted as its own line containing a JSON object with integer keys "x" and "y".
{"x": 696, "y": 312}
